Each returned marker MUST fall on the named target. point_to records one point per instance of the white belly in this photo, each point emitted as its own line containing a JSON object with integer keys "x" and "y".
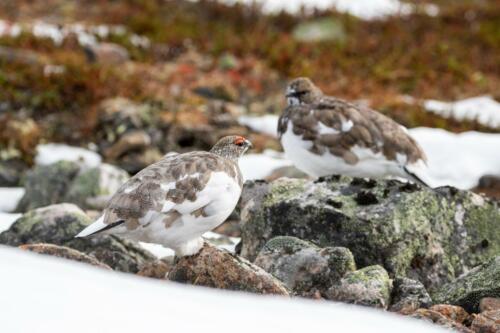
{"x": 370, "y": 165}
{"x": 218, "y": 200}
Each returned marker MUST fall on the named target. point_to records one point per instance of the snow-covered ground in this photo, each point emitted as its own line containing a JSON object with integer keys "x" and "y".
{"x": 259, "y": 166}
{"x": 364, "y": 9}
{"x": 47, "y": 294}
{"x": 54, "y": 152}
{"x": 483, "y": 109}
{"x": 454, "y": 159}
{"x": 6, "y": 220}
{"x": 9, "y": 198}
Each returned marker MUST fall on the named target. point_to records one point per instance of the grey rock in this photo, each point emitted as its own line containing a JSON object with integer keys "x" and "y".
{"x": 92, "y": 188}
{"x": 468, "y": 290}
{"x": 11, "y": 172}
{"x": 370, "y": 286}
{"x": 428, "y": 235}
{"x": 58, "y": 224}
{"x": 409, "y": 295}
{"x": 303, "y": 267}
{"x": 47, "y": 184}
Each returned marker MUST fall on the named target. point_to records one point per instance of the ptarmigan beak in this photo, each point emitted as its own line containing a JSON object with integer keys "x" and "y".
{"x": 248, "y": 144}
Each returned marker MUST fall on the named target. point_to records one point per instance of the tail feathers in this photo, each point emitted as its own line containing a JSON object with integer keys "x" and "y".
{"x": 417, "y": 173}
{"x": 97, "y": 227}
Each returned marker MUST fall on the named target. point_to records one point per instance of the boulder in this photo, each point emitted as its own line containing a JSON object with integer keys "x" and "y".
{"x": 92, "y": 188}
{"x": 487, "y": 322}
{"x": 440, "y": 319}
{"x": 216, "y": 268}
{"x": 408, "y": 295}
{"x": 468, "y": 290}
{"x": 489, "y": 303}
{"x": 428, "y": 235}
{"x": 63, "y": 252}
{"x": 11, "y": 172}
{"x": 58, "y": 224}
{"x": 453, "y": 312}
{"x": 303, "y": 267}
{"x": 157, "y": 269}
{"x": 47, "y": 184}
{"x": 370, "y": 286}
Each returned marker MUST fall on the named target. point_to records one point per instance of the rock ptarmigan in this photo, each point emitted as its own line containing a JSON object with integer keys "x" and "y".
{"x": 324, "y": 135}
{"x": 177, "y": 199}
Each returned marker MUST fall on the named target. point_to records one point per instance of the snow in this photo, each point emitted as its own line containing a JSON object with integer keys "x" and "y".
{"x": 7, "y": 219}
{"x": 10, "y": 197}
{"x": 54, "y": 152}
{"x": 259, "y": 166}
{"x": 484, "y": 109}
{"x": 264, "y": 124}
{"x": 459, "y": 159}
{"x": 57, "y": 295}
{"x": 364, "y": 9}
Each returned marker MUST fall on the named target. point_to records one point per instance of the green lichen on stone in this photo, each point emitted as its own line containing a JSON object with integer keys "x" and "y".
{"x": 467, "y": 290}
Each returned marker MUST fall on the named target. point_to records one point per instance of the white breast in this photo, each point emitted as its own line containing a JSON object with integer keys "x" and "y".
{"x": 370, "y": 164}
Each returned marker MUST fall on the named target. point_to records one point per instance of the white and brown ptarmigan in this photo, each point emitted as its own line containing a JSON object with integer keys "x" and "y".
{"x": 177, "y": 199}
{"x": 324, "y": 135}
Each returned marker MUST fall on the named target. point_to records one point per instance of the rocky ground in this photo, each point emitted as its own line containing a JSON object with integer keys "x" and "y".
{"x": 131, "y": 82}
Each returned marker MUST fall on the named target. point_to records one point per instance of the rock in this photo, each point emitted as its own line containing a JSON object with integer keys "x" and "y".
{"x": 302, "y": 266}
{"x": 408, "y": 295}
{"x": 489, "y": 303}
{"x": 440, "y": 319}
{"x": 47, "y": 184}
{"x": 21, "y": 56}
{"x": 63, "y": 252}
{"x": 427, "y": 235}
{"x": 106, "y": 54}
{"x": 157, "y": 269}
{"x": 58, "y": 224}
{"x": 322, "y": 29}
{"x": 133, "y": 140}
{"x": 453, "y": 312}
{"x": 92, "y": 188}
{"x": 11, "y": 172}
{"x": 487, "y": 322}
{"x": 470, "y": 288}
{"x": 369, "y": 286}
{"x": 216, "y": 268}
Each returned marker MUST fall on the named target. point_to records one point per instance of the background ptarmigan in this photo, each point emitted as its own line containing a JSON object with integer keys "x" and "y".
{"x": 325, "y": 135}
{"x": 175, "y": 200}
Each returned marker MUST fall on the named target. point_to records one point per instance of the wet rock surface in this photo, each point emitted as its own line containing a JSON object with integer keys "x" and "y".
{"x": 58, "y": 224}
{"x": 303, "y": 267}
{"x": 431, "y": 236}
{"x": 216, "y": 268}
{"x": 469, "y": 289}
{"x": 63, "y": 252}
{"x": 370, "y": 286}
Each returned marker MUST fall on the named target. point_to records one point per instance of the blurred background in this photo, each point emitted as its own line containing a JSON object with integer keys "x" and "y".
{"x": 129, "y": 81}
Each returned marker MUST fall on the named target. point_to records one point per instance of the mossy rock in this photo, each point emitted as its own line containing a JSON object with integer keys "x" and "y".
{"x": 428, "y": 235}
{"x": 468, "y": 290}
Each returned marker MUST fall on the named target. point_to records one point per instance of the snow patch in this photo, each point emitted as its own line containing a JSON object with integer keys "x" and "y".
{"x": 267, "y": 124}
{"x": 10, "y": 197}
{"x": 54, "y": 152}
{"x": 59, "y": 295}
{"x": 364, "y": 9}
{"x": 483, "y": 109}
{"x": 259, "y": 166}
{"x": 6, "y": 220}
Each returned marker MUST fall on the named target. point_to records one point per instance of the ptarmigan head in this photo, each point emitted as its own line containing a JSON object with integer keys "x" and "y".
{"x": 231, "y": 147}
{"x": 302, "y": 91}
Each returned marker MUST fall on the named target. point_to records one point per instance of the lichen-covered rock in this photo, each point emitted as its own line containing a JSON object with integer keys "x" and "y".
{"x": 370, "y": 286}
{"x": 440, "y": 319}
{"x": 63, "y": 252}
{"x": 11, "y": 172}
{"x": 47, "y": 184}
{"x": 157, "y": 269}
{"x": 470, "y": 288}
{"x": 302, "y": 266}
{"x": 489, "y": 303}
{"x": 408, "y": 295}
{"x": 216, "y": 268}
{"x": 92, "y": 188}
{"x": 428, "y": 235}
{"x": 58, "y": 224}
{"x": 487, "y": 322}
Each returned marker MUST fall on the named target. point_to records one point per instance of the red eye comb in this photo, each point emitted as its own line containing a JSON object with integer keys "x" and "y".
{"x": 239, "y": 140}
